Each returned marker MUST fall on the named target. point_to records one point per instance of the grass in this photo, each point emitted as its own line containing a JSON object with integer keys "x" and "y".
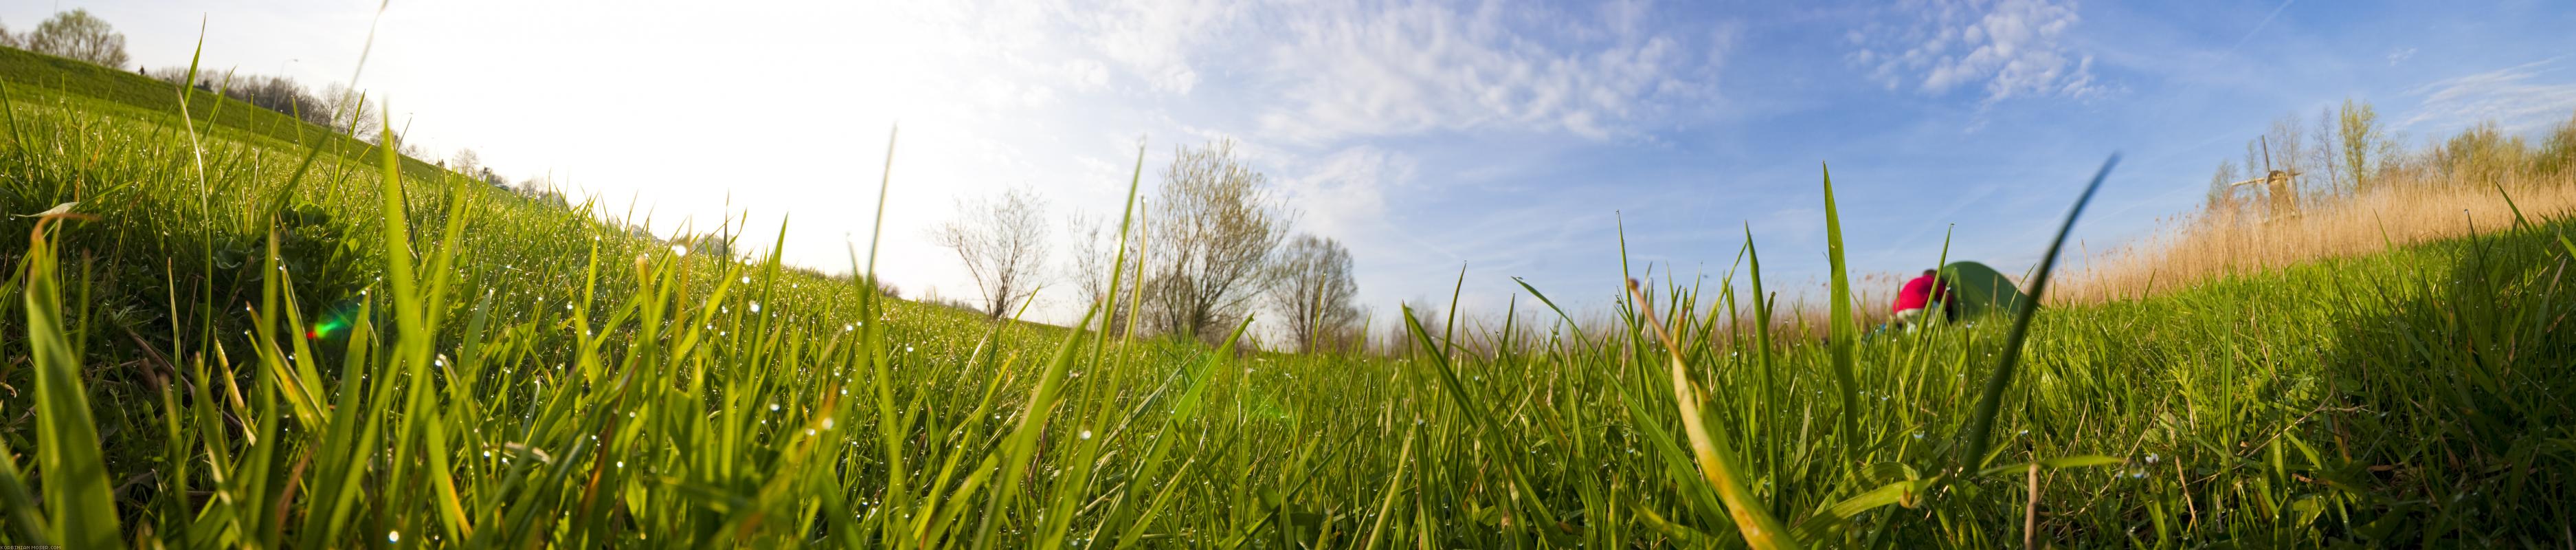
{"x": 2212, "y": 244}
{"x": 359, "y": 352}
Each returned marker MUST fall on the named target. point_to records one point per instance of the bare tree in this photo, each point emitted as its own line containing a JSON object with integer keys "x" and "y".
{"x": 7, "y": 39}
{"x": 78, "y": 35}
{"x": 345, "y": 106}
{"x": 2322, "y": 154}
{"x": 1399, "y": 336}
{"x": 1002, "y": 239}
{"x": 2286, "y": 140}
{"x": 1316, "y": 293}
{"x": 1094, "y": 255}
{"x": 465, "y": 161}
{"x": 1213, "y": 230}
{"x": 2222, "y": 188}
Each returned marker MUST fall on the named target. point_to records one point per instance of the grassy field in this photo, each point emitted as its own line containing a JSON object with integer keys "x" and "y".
{"x": 265, "y": 338}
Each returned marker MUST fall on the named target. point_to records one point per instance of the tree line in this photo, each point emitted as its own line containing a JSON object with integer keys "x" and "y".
{"x": 1213, "y": 243}
{"x": 72, "y": 35}
{"x": 78, "y": 35}
{"x": 2348, "y": 150}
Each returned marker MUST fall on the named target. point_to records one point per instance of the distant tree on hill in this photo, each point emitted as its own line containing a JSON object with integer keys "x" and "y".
{"x": 715, "y": 244}
{"x": 7, "y": 39}
{"x": 465, "y": 161}
{"x": 1316, "y": 295}
{"x": 345, "y": 105}
{"x": 78, "y": 35}
{"x": 1002, "y": 239}
{"x": 284, "y": 95}
{"x": 1213, "y": 228}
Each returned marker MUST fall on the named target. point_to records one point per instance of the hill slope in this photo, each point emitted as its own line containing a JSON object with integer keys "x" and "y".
{"x": 272, "y": 351}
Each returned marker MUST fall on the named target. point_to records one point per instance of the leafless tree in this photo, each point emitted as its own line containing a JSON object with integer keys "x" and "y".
{"x": 78, "y": 35}
{"x": 1399, "y": 336}
{"x": 465, "y": 161}
{"x": 1002, "y": 239}
{"x": 1214, "y": 226}
{"x": 1094, "y": 257}
{"x": 1315, "y": 294}
{"x": 344, "y": 106}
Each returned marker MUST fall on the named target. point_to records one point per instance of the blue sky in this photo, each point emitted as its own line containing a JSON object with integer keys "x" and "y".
{"x": 1512, "y": 138}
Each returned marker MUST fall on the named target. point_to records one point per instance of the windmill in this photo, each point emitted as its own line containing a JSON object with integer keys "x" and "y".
{"x": 2280, "y": 187}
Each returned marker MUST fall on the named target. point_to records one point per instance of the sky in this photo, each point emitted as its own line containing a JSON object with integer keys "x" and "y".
{"x": 1513, "y": 140}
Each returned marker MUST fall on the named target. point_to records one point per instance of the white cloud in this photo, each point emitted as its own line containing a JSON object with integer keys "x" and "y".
{"x": 2400, "y": 56}
{"x": 2013, "y": 48}
{"x": 2508, "y": 96}
{"x": 1344, "y": 193}
{"x": 1350, "y": 71}
{"x": 1155, "y": 38}
{"x": 1051, "y": 94}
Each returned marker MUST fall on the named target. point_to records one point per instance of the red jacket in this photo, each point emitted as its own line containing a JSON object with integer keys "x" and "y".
{"x": 1920, "y": 292}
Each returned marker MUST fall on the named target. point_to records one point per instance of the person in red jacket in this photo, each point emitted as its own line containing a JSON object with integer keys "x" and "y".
{"x": 1919, "y": 294}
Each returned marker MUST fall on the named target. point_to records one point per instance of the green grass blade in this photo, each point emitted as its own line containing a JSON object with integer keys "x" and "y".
{"x": 1845, "y": 330}
{"x": 1716, "y": 460}
{"x": 1024, "y": 439}
{"x": 1982, "y": 419}
{"x": 82, "y": 510}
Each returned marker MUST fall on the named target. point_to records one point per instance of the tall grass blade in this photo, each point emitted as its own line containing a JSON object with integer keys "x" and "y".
{"x": 1982, "y": 419}
{"x": 1716, "y": 459}
{"x": 1844, "y": 332}
{"x": 82, "y": 510}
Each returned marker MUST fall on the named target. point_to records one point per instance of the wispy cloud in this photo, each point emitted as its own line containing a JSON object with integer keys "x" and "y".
{"x": 1357, "y": 70}
{"x": 1344, "y": 193}
{"x": 2517, "y": 98}
{"x": 2009, "y": 48}
{"x": 1155, "y": 38}
{"x": 2259, "y": 25}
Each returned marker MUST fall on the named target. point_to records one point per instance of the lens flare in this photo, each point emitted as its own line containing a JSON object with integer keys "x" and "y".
{"x": 334, "y": 323}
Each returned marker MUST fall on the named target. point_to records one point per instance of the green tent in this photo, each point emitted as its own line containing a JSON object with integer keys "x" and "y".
{"x": 1981, "y": 290}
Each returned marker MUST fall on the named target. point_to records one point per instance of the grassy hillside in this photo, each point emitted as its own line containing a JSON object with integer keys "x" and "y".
{"x": 264, "y": 351}
{"x": 39, "y": 78}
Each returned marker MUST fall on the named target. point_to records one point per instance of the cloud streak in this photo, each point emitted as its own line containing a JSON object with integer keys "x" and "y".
{"x": 2518, "y": 98}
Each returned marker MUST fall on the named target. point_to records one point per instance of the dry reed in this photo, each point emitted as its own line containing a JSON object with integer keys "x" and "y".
{"x": 2199, "y": 247}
